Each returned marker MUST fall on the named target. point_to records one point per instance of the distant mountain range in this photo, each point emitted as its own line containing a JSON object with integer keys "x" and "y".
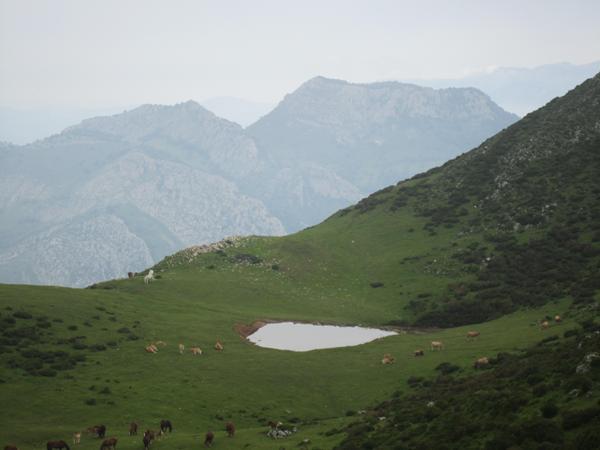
{"x": 117, "y": 193}
{"x": 522, "y": 90}
{"x": 367, "y": 136}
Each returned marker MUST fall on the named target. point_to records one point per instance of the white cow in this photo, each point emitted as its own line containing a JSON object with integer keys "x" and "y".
{"x": 150, "y": 277}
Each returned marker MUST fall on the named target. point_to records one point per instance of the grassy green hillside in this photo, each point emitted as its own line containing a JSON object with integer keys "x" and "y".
{"x": 501, "y": 237}
{"x": 543, "y": 398}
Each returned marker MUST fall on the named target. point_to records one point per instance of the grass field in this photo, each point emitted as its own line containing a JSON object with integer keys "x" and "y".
{"x": 201, "y": 301}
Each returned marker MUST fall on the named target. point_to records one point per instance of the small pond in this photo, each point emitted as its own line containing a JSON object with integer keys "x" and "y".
{"x": 302, "y": 337}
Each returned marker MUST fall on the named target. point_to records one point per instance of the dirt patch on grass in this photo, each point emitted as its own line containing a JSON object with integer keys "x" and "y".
{"x": 245, "y": 330}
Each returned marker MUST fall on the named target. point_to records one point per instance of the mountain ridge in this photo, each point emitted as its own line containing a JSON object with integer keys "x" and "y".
{"x": 253, "y": 190}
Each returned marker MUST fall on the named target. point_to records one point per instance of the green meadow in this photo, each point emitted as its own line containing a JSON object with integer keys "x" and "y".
{"x": 323, "y": 274}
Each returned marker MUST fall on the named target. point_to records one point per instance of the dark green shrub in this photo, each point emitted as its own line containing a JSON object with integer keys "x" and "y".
{"x": 97, "y": 347}
{"x": 376, "y": 284}
{"x": 246, "y": 258}
{"x": 414, "y": 381}
{"x": 549, "y": 410}
{"x": 22, "y": 315}
{"x": 447, "y": 368}
{"x": 570, "y": 333}
{"x": 540, "y": 430}
{"x": 90, "y": 401}
{"x": 540, "y": 390}
{"x": 576, "y": 418}
{"x": 588, "y": 439}
{"x": 579, "y": 382}
{"x": 72, "y": 327}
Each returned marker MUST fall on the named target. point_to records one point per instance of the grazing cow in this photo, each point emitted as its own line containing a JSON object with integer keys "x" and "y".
{"x": 387, "y": 359}
{"x": 10, "y": 447}
{"x": 57, "y": 445}
{"x": 196, "y": 350}
{"x": 181, "y": 349}
{"x": 419, "y": 352}
{"x": 208, "y": 439}
{"x": 77, "y": 438}
{"x": 152, "y": 348}
{"x": 557, "y": 319}
{"x": 150, "y": 277}
{"x": 166, "y": 425}
{"x": 274, "y": 425}
{"x": 219, "y": 346}
{"x": 133, "y": 427}
{"x": 130, "y": 274}
{"x": 230, "y": 429}
{"x": 148, "y": 438}
{"x": 472, "y": 334}
{"x": 544, "y": 325}
{"x": 99, "y": 430}
{"x": 481, "y": 363}
{"x": 109, "y": 444}
{"x": 437, "y": 345}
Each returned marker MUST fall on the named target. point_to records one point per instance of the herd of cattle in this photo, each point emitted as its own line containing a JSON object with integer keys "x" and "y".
{"x": 153, "y": 347}
{"x": 99, "y": 431}
{"x": 275, "y": 429}
{"x": 479, "y": 363}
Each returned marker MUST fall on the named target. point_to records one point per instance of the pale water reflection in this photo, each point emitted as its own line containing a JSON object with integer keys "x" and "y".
{"x": 301, "y": 337}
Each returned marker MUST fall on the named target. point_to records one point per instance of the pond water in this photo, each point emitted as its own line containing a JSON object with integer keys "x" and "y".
{"x": 302, "y": 337}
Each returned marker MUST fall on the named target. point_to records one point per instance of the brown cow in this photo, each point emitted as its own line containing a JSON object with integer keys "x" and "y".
{"x": 219, "y": 346}
{"x": 99, "y": 430}
{"x": 274, "y": 425}
{"x": 10, "y": 447}
{"x": 230, "y": 429}
{"x": 196, "y": 350}
{"x": 130, "y": 274}
{"x": 437, "y": 345}
{"x": 544, "y": 325}
{"x": 208, "y": 439}
{"x": 133, "y": 427}
{"x": 54, "y": 445}
{"x": 109, "y": 444}
{"x": 387, "y": 359}
{"x": 152, "y": 348}
{"x": 419, "y": 352}
{"x": 481, "y": 363}
{"x": 473, "y": 334}
{"x": 148, "y": 438}
{"x": 557, "y": 319}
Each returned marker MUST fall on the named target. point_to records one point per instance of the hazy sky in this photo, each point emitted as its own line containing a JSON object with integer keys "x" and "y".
{"x": 85, "y": 53}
